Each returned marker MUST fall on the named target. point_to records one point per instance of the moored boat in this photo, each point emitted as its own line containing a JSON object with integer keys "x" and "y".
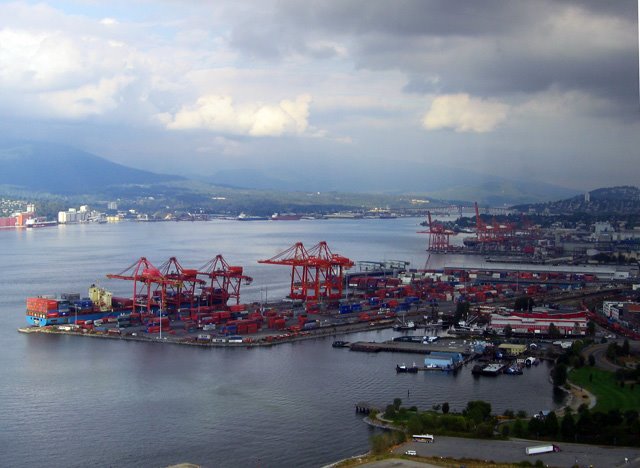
{"x": 340, "y": 344}
{"x": 404, "y": 368}
{"x": 285, "y": 217}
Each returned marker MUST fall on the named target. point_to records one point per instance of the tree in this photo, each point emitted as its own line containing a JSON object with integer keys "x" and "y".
{"x": 397, "y": 402}
{"x": 518, "y": 428}
{"x": 559, "y": 375}
{"x": 553, "y": 330}
{"x": 625, "y": 348}
{"x": 524, "y": 303}
{"x": 536, "y": 426}
{"x": 414, "y": 425}
{"x": 477, "y": 411}
{"x": 591, "y": 328}
{"x": 508, "y": 331}
{"x": 390, "y": 412}
{"x": 568, "y": 427}
{"x": 551, "y": 424}
{"x": 592, "y": 361}
{"x": 445, "y": 407}
{"x": 584, "y": 426}
{"x": 382, "y": 442}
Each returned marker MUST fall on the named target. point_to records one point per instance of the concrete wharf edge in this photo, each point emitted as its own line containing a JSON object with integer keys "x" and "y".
{"x": 318, "y": 333}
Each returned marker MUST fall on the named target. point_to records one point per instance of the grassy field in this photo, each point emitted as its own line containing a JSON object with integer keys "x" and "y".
{"x": 607, "y": 390}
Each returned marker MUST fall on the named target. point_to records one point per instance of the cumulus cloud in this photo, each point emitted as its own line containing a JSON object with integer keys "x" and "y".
{"x": 464, "y": 113}
{"x": 85, "y": 101}
{"x": 108, "y": 21}
{"x": 219, "y": 113}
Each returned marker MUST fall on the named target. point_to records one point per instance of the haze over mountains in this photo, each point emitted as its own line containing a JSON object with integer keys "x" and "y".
{"x": 56, "y": 169}
{"x": 622, "y": 200}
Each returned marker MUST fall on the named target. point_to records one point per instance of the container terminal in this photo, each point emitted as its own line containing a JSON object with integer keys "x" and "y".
{"x": 202, "y": 306}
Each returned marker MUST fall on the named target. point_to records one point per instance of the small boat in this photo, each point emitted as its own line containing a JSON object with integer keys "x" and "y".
{"x": 403, "y": 368}
{"x": 410, "y": 325}
{"x": 531, "y": 361}
{"x": 513, "y": 370}
{"x": 340, "y": 344}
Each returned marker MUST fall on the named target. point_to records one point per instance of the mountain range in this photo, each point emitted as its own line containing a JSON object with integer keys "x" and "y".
{"x": 622, "y": 200}
{"x": 62, "y": 170}
{"x": 431, "y": 181}
{"x": 37, "y": 167}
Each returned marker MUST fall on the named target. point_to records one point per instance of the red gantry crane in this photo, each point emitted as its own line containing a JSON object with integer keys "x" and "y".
{"x": 495, "y": 232}
{"x": 223, "y": 282}
{"x": 438, "y": 236}
{"x": 149, "y": 285}
{"x": 315, "y": 273}
{"x": 297, "y": 258}
{"x": 329, "y": 271}
{"x": 182, "y": 292}
{"x": 484, "y": 232}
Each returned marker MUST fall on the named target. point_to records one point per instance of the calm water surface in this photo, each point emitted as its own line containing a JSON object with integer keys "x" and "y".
{"x": 73, "y": 401}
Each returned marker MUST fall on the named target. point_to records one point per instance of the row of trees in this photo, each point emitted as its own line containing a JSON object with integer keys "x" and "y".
{"x": 611, "y": 428}
{"x": 475, "y": 420}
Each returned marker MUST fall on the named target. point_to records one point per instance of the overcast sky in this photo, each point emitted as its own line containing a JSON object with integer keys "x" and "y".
{"x": 544, "y": 89}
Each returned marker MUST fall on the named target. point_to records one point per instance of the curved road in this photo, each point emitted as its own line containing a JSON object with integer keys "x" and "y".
{"x": 599, "y": 352}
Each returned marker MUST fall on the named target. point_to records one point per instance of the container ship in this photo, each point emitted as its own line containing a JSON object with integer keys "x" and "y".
{"x": 70, "y": 308}
{"x": 246, "y": 217}
{"x": 286, "y": 217}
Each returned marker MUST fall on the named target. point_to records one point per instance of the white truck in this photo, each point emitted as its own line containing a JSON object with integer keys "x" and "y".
{"x": 537, "y": 449}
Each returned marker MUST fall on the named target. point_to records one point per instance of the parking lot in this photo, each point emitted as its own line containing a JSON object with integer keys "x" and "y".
{"x": 513, "y": 451}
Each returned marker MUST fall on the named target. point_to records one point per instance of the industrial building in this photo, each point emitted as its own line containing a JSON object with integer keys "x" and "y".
{"x": 511, "y": 349}
{"x": 443, "y": 360}
{"x": 539, "y": 322}
{"x": 622, "y": 311}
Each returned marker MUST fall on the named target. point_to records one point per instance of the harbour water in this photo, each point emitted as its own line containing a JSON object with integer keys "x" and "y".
{"x": 74, "y": 401}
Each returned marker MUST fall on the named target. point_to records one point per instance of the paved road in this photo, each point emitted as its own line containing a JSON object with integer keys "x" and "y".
{"x": 599, "y": 352}
{"x": 513, "y": 451}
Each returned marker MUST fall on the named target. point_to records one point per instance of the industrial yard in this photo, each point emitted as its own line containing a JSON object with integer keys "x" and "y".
{"x": 331, "y": 294}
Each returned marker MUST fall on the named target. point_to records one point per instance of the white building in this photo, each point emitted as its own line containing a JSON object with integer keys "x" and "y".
{"x": 567, "y": 323}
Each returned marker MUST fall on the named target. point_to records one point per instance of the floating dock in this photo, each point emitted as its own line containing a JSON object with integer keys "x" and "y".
{"x": 408, "y": 347}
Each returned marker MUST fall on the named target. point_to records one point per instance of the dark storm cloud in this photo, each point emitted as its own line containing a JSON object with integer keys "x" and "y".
{"x": 488, "y": 48}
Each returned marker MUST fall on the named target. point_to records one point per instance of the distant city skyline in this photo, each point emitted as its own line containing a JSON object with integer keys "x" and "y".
{"x": 544, "y": 90}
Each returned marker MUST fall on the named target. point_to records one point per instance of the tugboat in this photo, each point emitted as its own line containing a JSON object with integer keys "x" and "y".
{"x": 340, "y": 344}
{"x": 403, "y": 368}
